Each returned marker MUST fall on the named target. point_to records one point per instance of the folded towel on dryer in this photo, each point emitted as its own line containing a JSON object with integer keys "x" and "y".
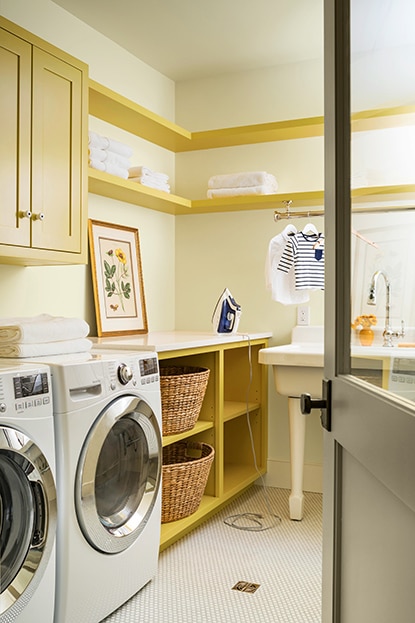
{"x": 41, "y": 328}
{"x": 41, "y": 349}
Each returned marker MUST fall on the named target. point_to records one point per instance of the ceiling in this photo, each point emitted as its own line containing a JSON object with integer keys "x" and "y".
{"x": 189, "y": 39}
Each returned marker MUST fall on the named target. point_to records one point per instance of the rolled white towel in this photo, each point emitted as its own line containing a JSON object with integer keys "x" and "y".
{"x": 64, "y": 347}
{"x": 109, "y": 168}
{"x": 105, "y": 155}
{"x": 41, "y": 328}
{"x": 250, "y": 178}
{"x": 240, "y": 191}
{"x": 103, "y": 142}
{"x": 97, "y": 141}
{"x": 141, "y": 171}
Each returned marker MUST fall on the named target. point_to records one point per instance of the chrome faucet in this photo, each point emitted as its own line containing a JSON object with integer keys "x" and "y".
{"x": 388, "y": 332}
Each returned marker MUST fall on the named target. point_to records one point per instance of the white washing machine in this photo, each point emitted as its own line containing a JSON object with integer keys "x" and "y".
{"x": 28, "y": 509}
{"x": 107, "y": 412}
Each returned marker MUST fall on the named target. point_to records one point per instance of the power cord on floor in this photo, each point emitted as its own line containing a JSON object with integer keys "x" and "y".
{"x": 253, "y": 521}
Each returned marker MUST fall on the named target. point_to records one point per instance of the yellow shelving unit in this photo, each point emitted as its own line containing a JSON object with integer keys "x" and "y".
{"x": 223, "y": 422}
{"x": 122, "y": 112}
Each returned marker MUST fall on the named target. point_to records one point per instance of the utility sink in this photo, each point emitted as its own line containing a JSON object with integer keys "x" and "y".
{"x": 297, "y": 367}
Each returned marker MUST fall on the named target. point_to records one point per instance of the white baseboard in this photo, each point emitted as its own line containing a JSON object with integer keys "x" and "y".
{"x": 279, "y": 475}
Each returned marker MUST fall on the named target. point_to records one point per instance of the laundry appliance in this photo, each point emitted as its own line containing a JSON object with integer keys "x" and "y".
{"x": 107, "y": 413}
{"x": 28, "y": 500}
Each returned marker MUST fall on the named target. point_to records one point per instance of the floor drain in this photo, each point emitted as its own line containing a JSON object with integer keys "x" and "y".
{"x": 246, "y": 587}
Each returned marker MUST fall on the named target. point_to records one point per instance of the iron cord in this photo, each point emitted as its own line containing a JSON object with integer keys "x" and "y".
{"x": 252, "y": 521}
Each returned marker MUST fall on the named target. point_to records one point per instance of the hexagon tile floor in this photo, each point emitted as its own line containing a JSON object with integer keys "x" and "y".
{"x": 220, "y": 574}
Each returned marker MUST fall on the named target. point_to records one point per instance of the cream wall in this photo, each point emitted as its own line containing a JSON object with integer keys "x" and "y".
{"x": 68, "y": 290}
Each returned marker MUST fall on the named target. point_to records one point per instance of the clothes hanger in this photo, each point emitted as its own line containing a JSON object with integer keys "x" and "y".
{"x": 290, "y": 230}
{"x": 310, "y": 229}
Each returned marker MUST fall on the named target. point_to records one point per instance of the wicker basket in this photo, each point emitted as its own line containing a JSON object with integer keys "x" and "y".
{"x": 182, "y": 393}
{"x": 186, "y": 467}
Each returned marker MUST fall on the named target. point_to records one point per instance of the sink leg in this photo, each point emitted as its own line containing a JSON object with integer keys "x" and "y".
{"x": 297, "y": 442}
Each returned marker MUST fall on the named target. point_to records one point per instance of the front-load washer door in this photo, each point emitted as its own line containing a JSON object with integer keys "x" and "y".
{"x": 118, "y": 475}
{"x": 27, "y": 519}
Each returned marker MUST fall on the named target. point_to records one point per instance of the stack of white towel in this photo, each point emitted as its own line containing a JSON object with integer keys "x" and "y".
{"x": 147, "y": 177}
{"x": 106, "y": 154}
{"x": 43, "y": 335}
{"x": 236, "y": 184}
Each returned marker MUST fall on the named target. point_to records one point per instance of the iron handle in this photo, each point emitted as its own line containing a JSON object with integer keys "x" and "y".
{"x": 308, "y": 403}
{"x": 324, "y": 404}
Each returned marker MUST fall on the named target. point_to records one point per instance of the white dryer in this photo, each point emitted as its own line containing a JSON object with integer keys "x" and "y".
{"x": 107, "y": 411}
{"x": 27, "y": 494}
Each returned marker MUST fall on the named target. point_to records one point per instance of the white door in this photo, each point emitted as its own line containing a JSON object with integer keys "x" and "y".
{"x": 369, "y": 454}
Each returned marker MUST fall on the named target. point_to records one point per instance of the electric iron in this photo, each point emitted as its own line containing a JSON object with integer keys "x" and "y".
{"x": 226, "y": 315}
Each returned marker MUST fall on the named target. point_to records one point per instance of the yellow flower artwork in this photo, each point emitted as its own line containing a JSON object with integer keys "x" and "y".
{"x": 116, "y": 274}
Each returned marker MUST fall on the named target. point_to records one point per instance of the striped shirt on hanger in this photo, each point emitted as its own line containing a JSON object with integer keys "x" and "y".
{"x": 305, "y": 252}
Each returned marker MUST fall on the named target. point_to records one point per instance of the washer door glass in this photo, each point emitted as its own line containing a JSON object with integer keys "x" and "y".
{"x": 118, "y": 474}
{"x": 27, "y": 518}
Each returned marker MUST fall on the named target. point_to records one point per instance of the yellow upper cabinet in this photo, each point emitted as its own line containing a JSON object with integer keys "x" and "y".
{"x": 43, "y": 179}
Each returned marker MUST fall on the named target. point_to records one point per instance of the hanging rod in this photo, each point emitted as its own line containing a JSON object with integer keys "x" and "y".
{"x": 289, "y": 214}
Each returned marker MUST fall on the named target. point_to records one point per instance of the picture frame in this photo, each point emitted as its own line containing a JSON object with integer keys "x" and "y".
{"x": 117, "y": 279}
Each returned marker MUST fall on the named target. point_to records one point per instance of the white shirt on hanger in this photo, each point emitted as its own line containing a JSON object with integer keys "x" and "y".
{"x": 281, "y": 284}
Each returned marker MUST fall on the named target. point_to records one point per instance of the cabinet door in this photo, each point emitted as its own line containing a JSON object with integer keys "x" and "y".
{"x": 15, "y": 106}
{"x": 56, "y": 154}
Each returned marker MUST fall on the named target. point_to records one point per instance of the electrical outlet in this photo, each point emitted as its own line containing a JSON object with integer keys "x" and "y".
{"x": 303, "y": 315}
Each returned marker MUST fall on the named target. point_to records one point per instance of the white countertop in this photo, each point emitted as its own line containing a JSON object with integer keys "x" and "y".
{"x": 161, "y": 341}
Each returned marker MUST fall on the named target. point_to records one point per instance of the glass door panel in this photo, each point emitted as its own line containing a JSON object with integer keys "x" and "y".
{"x": 382, "y": 181}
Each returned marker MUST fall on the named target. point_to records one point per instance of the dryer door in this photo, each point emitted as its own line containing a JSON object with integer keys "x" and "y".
{"x": 118, "y": 475}
{"x": 27, "y": 519}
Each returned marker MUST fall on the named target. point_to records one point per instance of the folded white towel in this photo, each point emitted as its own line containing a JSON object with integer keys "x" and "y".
{"x": 140, "y": 171}
{"x": 65, "y": 347}
{"x": 42, "y": 328}
{"x": 250, "y": 178}
{"x": 103, "y": 142}
{"x": 109, "y": 168}
{"x": 105, "y": 155}
{"x": 146, "y": 180}
{"x": 240, "y": 191}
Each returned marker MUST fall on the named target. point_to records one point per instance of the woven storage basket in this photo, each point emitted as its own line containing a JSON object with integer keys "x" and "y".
{"x": 182, "y": 393}
{"x": 186, "y": 467}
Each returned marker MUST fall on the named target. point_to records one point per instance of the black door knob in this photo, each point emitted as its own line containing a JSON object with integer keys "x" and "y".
{"x": 307, "y": 404}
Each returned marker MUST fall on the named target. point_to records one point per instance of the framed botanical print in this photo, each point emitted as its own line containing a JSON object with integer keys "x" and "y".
{"x": 117, "y": 279}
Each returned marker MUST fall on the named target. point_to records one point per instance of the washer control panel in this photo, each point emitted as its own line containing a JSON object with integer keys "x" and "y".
{"x": 138, "y": 370}
{"x": 149, "y": 370}
{"x": 25, "y": 391}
